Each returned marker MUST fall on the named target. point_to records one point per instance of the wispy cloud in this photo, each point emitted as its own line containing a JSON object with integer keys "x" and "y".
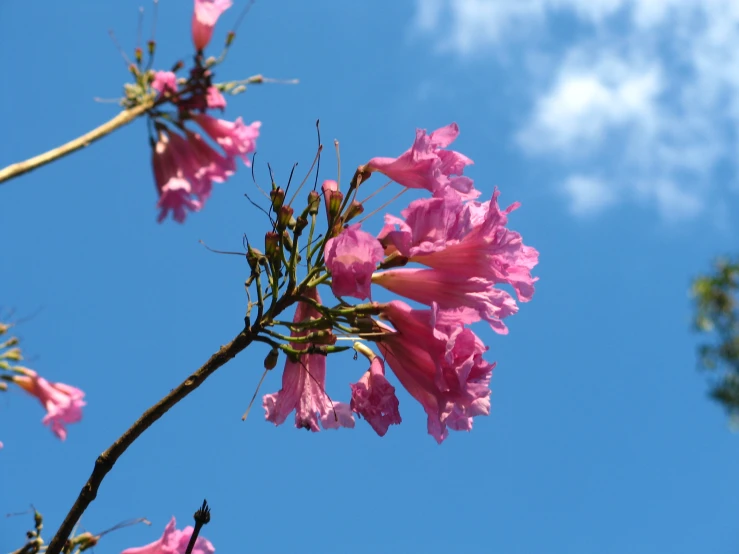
{"x": 646, "y": 96}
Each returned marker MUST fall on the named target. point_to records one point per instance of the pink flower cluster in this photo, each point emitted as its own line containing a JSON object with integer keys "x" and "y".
{"x": 465, "y": 252}
{"x": 185, "y": 163}
{"x": 174, "y": 541}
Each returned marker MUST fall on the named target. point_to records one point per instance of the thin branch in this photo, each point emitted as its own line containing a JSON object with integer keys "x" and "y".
{"x": 123, "y": 118}
{"x": 107, "y": 459}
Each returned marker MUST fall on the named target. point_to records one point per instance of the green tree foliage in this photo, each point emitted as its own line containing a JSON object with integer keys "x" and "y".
{"x": 717, "y": 319}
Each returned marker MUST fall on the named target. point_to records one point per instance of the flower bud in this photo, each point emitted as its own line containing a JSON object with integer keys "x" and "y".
{"x": 355, "y": 208}
{"x": 138, "y": 54}
{"x": 300, "y": 224}
{"x": 151, "y": 46}
{"x": 314, "y": 200}
{"x": 252, "y": 257}
{"x": 335, "y": 200}
{"x": 284, "y": 215}
{"x": 277, "y": 196}
{"x": 271, "y": 245}
{"x": 271, "y": 360}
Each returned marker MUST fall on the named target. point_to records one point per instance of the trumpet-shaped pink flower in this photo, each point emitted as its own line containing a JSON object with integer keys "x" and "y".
{"x": 204, "y": 19}
{"x": 474, "y": 297}
{"x": 200, "y": 163}
{"x": 175, "y": 191}
{"x": 303, "y": 386}
{"x": 214, "y": 98}
{"x": 373, "y": 397}
{"x": 164, "y": 82}
{"x": 351, "y": 258}
{"x": 427, "y": 165}
{"x": 468, "y": 239}
{"x": 174, "y": 541}
{"x": 63, "y": 403}
{"x": 234, "y": 137}
{"x": 440, "y": 364}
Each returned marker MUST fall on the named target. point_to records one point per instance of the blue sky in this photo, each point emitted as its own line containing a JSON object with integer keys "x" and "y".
{"x": 611, "y": 121}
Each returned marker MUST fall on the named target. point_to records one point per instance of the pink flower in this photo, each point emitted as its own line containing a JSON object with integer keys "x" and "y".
{"x": 175, "y": 192}
{"x": 164, "y": 82}
{"x": 303, "y": 386}
{"x": 63, "y": 403}
{"x": 351, "y": 258}
{"x": 214, "y": 98}
{"x": 440, "y": 364}
{"x": 204, "y": 19}
{"x": 174, "y": 541}
{"x": 477, "y": 298}
{"x": 373, "y": 397}
{"x": 467, "y": 239}
{"x": 201, "y": 164}
{"x": 427, "y": 165}
{"x": 234, "y": 137}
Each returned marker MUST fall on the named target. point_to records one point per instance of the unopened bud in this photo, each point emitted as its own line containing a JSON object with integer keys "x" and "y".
{"x": 133, "y": 69}
{"x": 179, "y": 65}
{"x": 300, "y": 224}
{"x": 323, "y": 337}
{"x": 335, "y": 200}
{"x": 151, "y": 46}
{"x": 230, "y": 38}
{"x": 277, "y": 195}
{"x": 355, "y": 208}
{"x": 270, "y": 362}
{"x": 85, "y": 541}
{"x": 252, "y": 257}
{"x": 138, "y": 54}
{"x": 271, "y": 245}
{"x": 314, "y": 200}
{"x": 284, "y": 215}
{"x": 12, "y": 354}
{"x": 238, "y": 90}
{"x": 396, "y": 259}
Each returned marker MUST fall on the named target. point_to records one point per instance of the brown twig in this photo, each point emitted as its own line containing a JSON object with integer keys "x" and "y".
{"x": 123, "y": 118}
{"x": 107, "y": 459}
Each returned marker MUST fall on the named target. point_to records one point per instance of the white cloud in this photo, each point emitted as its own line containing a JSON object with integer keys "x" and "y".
{"x": 590, "y": 99}
{"x": 645, "y": 94}
{"x": 588, "y": 196}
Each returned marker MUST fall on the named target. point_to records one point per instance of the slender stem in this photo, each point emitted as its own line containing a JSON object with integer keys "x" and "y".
{"x": 123, "y": 118}
{"x": 107, "y": 459}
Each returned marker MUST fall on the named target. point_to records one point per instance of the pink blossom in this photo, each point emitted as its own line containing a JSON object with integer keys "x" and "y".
{"x": 303, "y": 386}
{"x": 468, "y": 239}
{"x": 427, "y": 165}
{"x": 200, "y": 164}
{"x": 373, "y": 397}
{"x": 440, "y": 364}
{"x": 351, "y": 258}
{"x": 175, "y": 192}
{"x": 476, "y": 298}
{"x": 174, "y": 541}
{"x": 214, "y": 98}
{"x": 204, "y": 19}
{"x": 164, "y": 82}
{"x": 234, "y": 137}
{"x": 63, "y": 403}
